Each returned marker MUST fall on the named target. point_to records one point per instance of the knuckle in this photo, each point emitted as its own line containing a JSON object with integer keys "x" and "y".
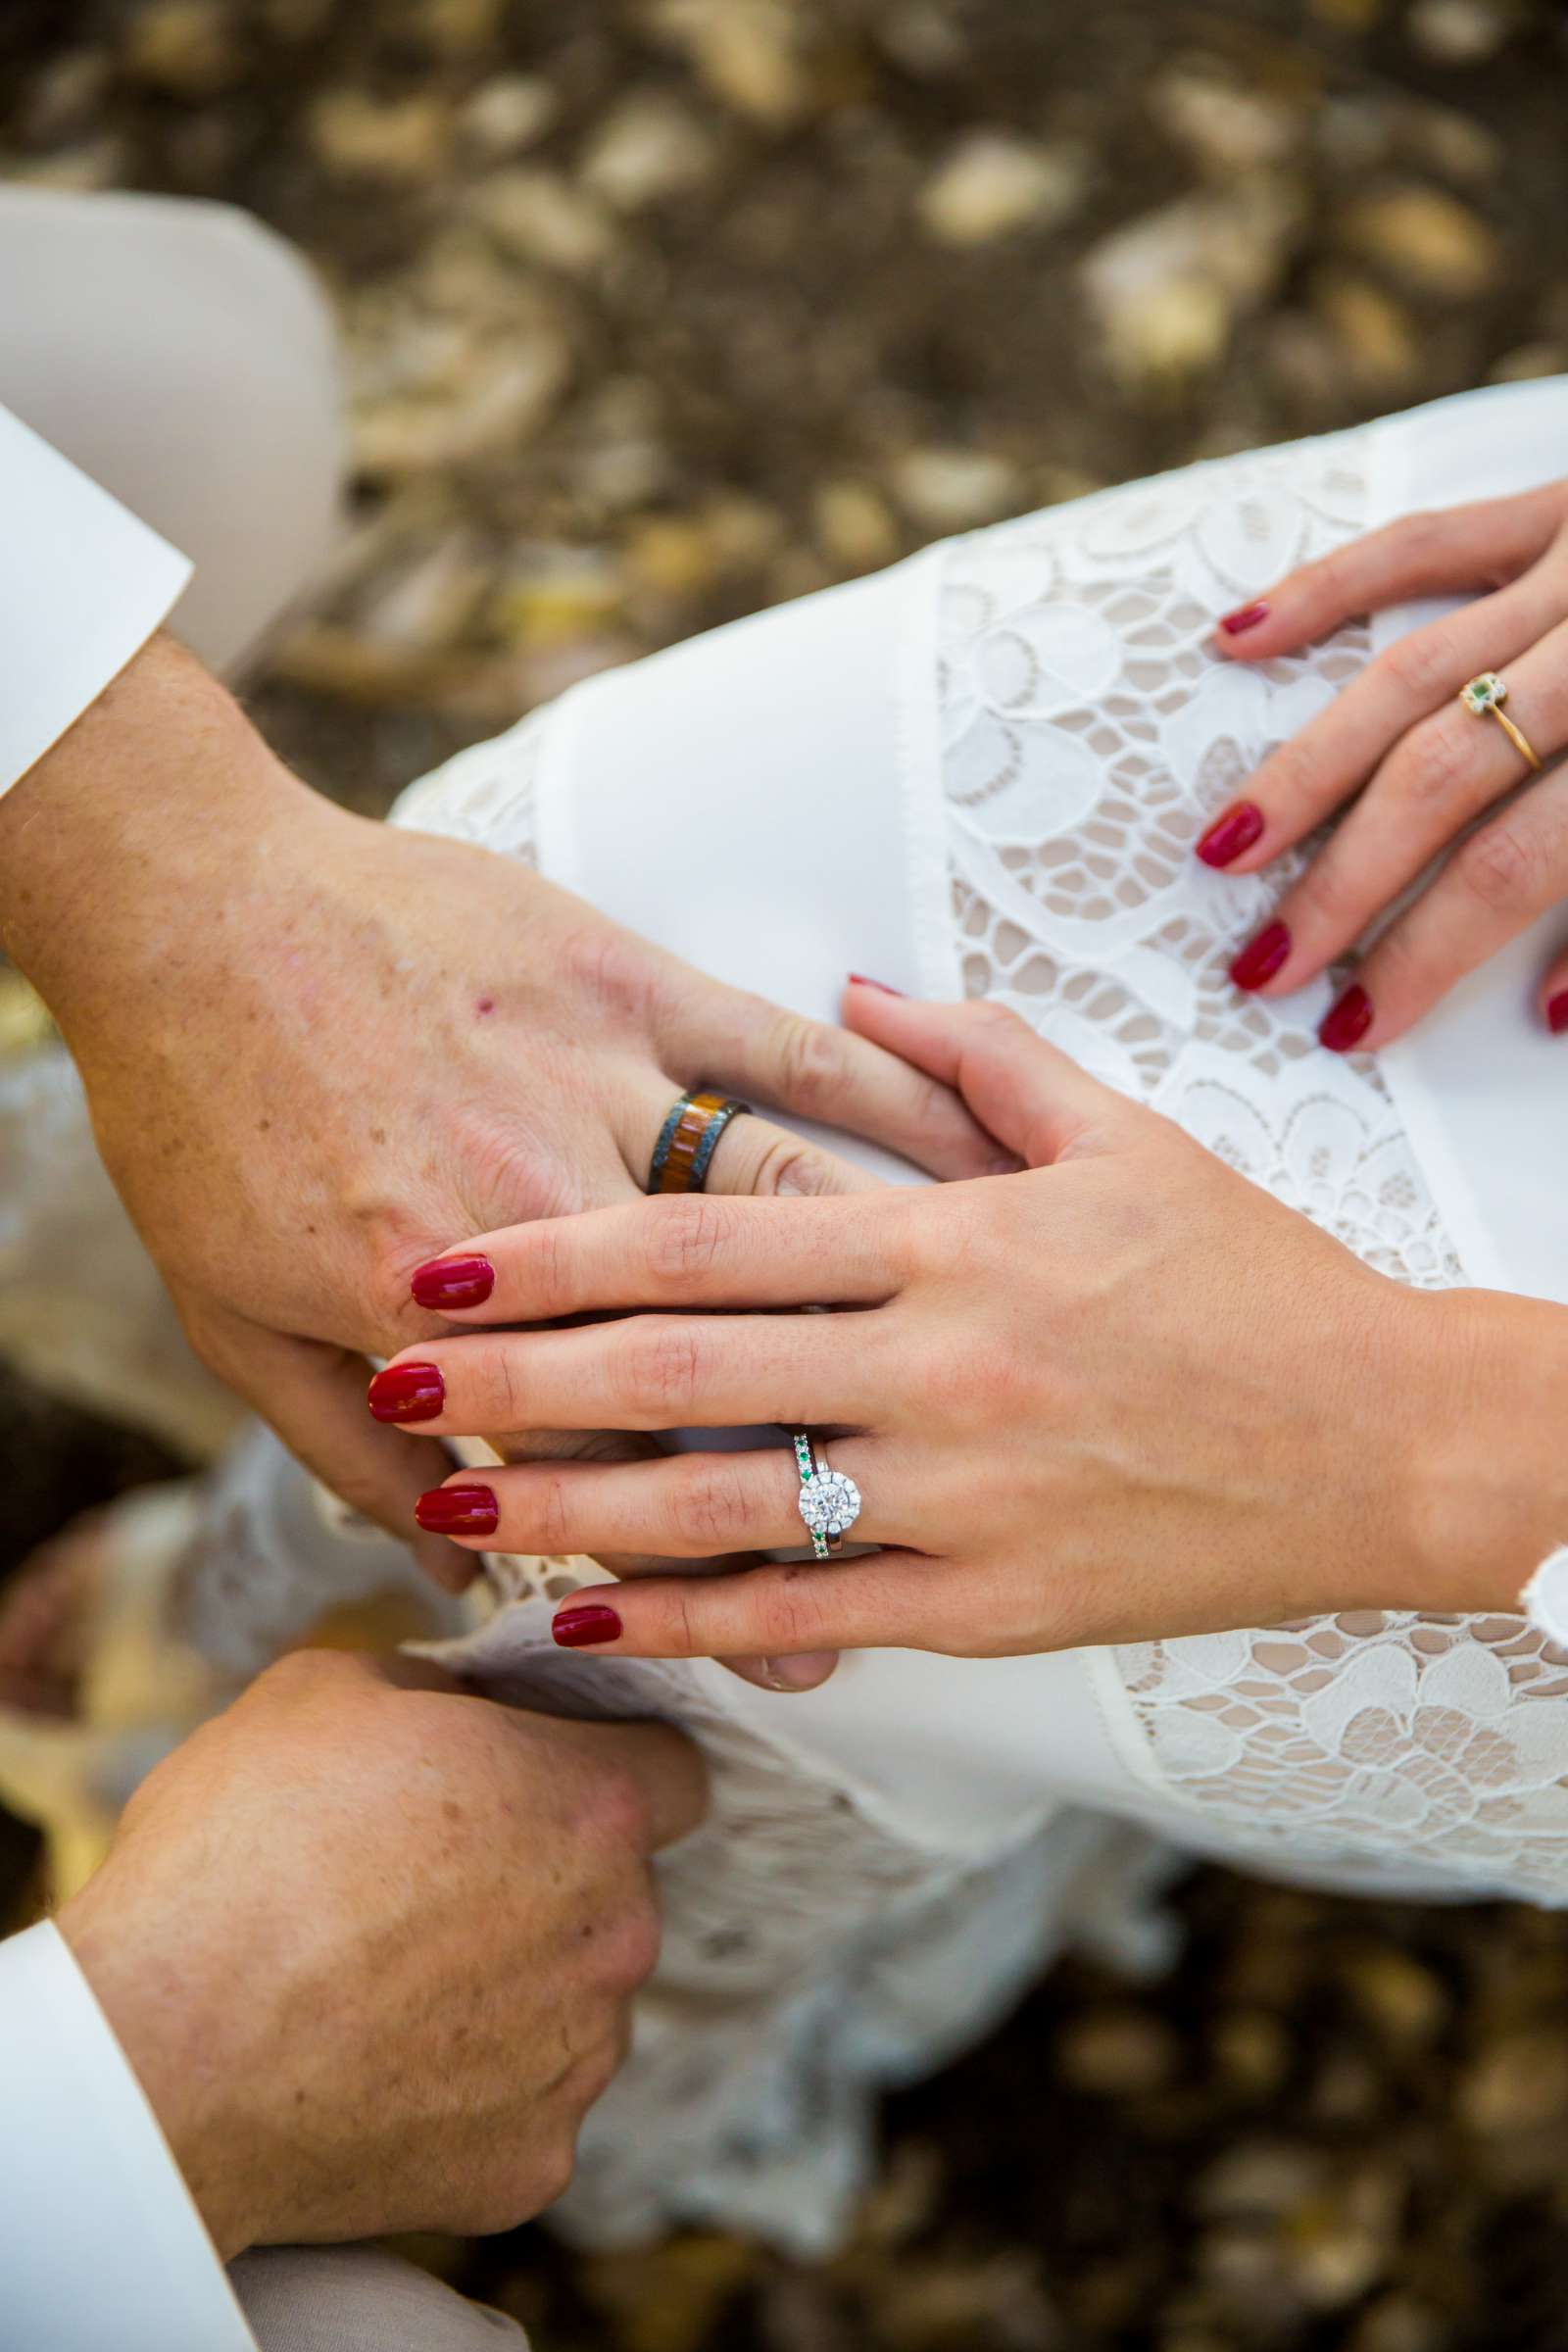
{"x": 1422, "y": 664}
{"x": 498, "y": 1399}
{"x": 619, "y": 1811}
{"x": 709, "y": 1508}
{"x": 553, "y": 1530}
{"x": 545, "y": 1272}
{"x": 661, "y": 1373}
{"x": 791, "y": 1169}
{"x": 616, "y": 971}
{"x": 1432, "y": 765}
{"x": 1501, "y": 869}
{"x": 810, "y": 1059}
{"x": 788, "y": 1612}
{"x": 1291, "y": 780}
{"x": 688, "y": 1232}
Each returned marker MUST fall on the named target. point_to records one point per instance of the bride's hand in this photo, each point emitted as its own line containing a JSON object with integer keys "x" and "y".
{"x": 1123, "y": 1394}
{"x": 1426, "y": 768}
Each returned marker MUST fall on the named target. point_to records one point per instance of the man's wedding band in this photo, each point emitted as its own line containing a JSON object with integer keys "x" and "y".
{"x": 1483, "y": 698}
{"x": 829, "y": 1503}
{"x": 687, "y": 1140}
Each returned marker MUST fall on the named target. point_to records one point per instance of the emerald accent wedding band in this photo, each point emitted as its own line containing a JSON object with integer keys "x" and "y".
{"x": 1483, "y": 698}
{"x": 830, "y": 1502}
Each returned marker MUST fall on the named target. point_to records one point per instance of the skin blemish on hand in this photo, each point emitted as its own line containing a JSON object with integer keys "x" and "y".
{"x": 485, "y": 1005}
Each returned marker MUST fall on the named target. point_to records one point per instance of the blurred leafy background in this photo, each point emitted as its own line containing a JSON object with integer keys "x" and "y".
{"x": 655, "y": 311}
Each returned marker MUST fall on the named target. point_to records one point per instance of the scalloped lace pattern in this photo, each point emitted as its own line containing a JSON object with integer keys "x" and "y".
{"x": 1088, "y": 735}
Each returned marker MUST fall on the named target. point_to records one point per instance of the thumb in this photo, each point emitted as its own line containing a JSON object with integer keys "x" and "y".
{"x": 1032, "y": 1096}
{"x": 314, "y": 1397}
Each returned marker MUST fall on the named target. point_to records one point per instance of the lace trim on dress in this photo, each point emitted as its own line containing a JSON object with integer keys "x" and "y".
{"x": 1088, "y": 736}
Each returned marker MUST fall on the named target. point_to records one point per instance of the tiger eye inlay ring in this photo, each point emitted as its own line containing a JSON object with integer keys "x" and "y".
{"x": 688, "y": 1140}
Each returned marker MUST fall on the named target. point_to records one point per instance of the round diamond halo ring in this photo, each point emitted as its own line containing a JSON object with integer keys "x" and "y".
{"x": 829, "y": 1503}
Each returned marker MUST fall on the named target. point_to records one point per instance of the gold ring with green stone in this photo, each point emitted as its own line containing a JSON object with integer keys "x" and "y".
{"x": 1483, "y": 698}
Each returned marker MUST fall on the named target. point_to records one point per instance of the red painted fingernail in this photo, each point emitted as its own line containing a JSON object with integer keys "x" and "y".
{"x": 1262, "y": 957}
{"x": 583, "y": 1627}
{"x": 865, "y": 980}
{"x": 1557, "y": 1014}
{"x": 453, "y": 1282}
{"x": 1346, "y": 1023}
{"x": 457, "y": 1511}
{"x": 1229, "y": 835}
{"x": 408, "y": 1393}
{"x": 1245, "y": 618}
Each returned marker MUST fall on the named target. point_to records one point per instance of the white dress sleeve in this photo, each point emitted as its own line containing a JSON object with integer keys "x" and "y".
{"x": 83, "y": 587}
{"x": 100, "y": 2240}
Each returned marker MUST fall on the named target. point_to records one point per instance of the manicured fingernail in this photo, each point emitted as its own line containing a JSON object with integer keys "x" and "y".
{"x": 585, "y": 1626}
{"x": 453, "y": 1282}
{"x": 1346, "y": 1023}
{"x": 865, "y": 980}
{"x": 802, "y": 1673}
{"x": 1262, "y": 957}
{"x": 1229, "y": 835}
{"x": 457, "y": 1511}
{"x": 408, "y": 1393}
{"x": 1557, "y": 1014}
{"x": 1245, "y": 618}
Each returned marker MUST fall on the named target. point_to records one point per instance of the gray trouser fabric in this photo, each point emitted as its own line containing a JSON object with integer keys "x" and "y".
{"x": 359, "y": 2299}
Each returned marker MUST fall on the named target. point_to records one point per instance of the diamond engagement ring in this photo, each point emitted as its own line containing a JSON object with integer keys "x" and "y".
{"x": 1483, "y": 698}
{"x": 830, "y": 1502}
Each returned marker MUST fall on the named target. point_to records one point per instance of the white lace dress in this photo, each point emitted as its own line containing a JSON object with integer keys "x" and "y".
{"x": 1047, "y": 686}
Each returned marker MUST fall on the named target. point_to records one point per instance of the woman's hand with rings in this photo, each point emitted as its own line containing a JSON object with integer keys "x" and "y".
{"x": 1120, "y": 1395}
{"x": 1427, "y": 781}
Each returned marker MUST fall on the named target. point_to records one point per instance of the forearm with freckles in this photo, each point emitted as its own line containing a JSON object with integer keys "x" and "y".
{"x": 129, "y": 843}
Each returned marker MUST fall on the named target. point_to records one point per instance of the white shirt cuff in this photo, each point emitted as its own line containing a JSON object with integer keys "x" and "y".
{"x": 83, "y": 587}
{"x": 100, "y": 2240}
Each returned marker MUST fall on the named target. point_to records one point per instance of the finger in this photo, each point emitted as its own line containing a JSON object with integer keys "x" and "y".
{"x": 1473, "y": 547}
{"x": 693, "y": 1506}
{"x": 1306, "y": 779}
{"x": 824, "y": 1073}
{"x": 1432, "y": 786}
{"x": 750, "y": 1155}
{"x": 666, "y": 1766}
{"x": 644, "y": 1372}
{"x": 314, "y": 1397}
{"x": 690, "y": 1249}
{"x": 1553, "y": 997}
{"x": 1032, "y": 1096}
{"x": 1502, "y": 879}
{"x": 806, "y": 1672}
{"x": 889, "y": 1600}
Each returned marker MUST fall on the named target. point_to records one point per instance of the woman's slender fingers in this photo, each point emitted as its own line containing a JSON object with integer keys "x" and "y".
{"x": 826, "y": 1074}
{"x": 644, "y": 1372}
{"x": 694, "y": 1506}
{"x": 690, "y": 1249}
{"x": 1455, "y": 551}
{"x": 895, "y": 1600}
{"x": 1308, "y": 778}
{"x": 1443, "y": 775}
{"x": 1506, "y": 875}
{"x": 1034, "y": 1096}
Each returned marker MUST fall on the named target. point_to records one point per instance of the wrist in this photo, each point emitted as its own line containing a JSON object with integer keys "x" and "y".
{"x": 1490, "y": 1492}
{"x": 122, "y": 848}
{"x": 170, "y": 2024}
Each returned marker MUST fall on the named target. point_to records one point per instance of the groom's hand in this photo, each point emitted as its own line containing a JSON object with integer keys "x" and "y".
{"x": 369, "y": 1944}
{"x": 317, "y": 1051}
